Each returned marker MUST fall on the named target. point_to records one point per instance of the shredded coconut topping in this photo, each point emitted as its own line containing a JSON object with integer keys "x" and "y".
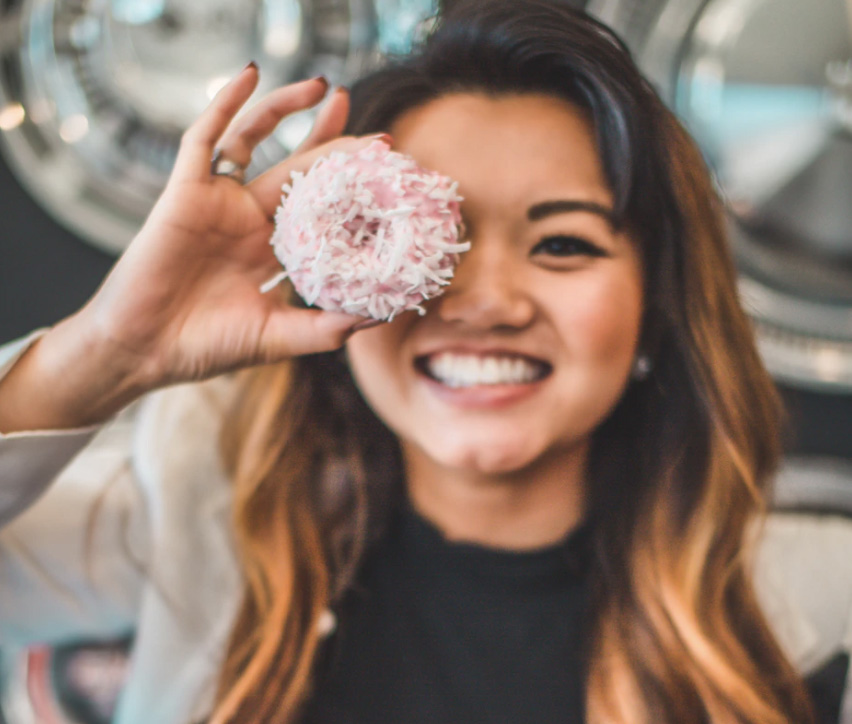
{"x": 369, "y": 233}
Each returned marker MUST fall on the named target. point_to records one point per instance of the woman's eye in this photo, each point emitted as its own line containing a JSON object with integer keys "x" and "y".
{"x": 567, "y": 246}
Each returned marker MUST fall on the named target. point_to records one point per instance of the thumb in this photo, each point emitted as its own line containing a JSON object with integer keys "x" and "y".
{"x": 292, "y": 332}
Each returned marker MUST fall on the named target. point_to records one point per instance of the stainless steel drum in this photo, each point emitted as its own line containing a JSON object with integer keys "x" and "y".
{"x": 94, "y": 94}
{"x": 766, "y": 88}
{"x": 76, "y": 683}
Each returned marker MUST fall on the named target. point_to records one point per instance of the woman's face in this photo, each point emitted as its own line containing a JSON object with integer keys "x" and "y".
{"x": 532, "y": 344}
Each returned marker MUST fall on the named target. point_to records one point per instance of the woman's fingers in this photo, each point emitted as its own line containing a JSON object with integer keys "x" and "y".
{"x": 266, "y": 188}
{"x": 329, "y": 124}
{"x": 199, "y": 140}
{"x": 291, "y": 332}
{"x": 330, "y": 121}
{"x": 244, "y": 134}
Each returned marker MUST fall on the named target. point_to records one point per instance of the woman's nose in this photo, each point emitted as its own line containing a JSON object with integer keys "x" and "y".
{"x": 488, "y": 291}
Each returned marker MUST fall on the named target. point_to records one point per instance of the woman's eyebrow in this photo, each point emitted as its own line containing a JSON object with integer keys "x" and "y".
{"x": 548, "y": 208}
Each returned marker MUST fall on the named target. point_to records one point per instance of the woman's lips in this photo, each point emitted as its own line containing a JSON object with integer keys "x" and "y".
{"x": 482, "y": 379}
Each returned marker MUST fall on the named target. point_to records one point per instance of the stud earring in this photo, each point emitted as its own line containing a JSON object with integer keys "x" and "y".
{"x": 326, "y": 624}
{"x": 642, "y": 367}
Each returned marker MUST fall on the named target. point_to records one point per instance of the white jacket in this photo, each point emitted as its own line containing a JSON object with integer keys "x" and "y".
{"x": 130, "y": 531}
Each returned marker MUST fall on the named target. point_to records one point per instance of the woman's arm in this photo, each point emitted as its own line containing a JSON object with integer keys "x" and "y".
{"x": 183, "y": 303}
{"x": 72, "y": 563}
{"x": 30, "y": 461}
{"x": 61, "y": 380}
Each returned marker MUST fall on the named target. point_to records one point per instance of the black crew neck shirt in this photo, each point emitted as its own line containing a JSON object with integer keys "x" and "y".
{"x": 439, "y": 632}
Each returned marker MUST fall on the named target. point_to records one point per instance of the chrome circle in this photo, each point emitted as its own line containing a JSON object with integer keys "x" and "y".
{"x": 73, "y": 683}
{"x": 95, "y": 94}
{"x": 765, "y": 86}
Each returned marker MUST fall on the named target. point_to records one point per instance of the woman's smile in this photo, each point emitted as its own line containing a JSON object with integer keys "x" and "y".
{"x": 461, "y": 369}
{"x": 482, "y": 378}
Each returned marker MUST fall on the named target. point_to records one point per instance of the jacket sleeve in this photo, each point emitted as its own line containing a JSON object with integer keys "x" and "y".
{"x": 29, "y": 461}
{"x": 73, "y": 545}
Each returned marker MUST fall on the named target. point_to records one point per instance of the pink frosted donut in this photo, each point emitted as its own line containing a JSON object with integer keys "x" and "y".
{"x": 368, "y": 233}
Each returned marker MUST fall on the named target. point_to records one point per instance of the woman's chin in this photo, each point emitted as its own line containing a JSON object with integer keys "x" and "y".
{"x": 493, "y": 459}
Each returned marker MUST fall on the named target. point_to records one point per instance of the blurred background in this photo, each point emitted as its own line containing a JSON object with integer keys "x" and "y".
{"x": 94, "y": 95}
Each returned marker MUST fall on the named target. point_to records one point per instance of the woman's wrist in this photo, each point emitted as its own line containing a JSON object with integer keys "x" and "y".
{"x": 68, "y": 379}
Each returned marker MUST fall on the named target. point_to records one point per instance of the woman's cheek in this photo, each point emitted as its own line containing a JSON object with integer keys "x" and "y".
{"x": 601, "y": 320}
{"x": 379, "y": 367}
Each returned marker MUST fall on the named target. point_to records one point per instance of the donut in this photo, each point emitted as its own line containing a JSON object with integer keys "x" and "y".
{"x": 369, "y": 233}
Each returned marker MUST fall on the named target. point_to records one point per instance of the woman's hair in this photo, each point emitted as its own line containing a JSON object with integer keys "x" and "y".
{"x": 678, "y": 471}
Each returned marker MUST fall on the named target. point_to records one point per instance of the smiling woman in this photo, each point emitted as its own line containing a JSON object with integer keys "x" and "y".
{"x": 520, "y": 408}
{"x": 535, "y": 503}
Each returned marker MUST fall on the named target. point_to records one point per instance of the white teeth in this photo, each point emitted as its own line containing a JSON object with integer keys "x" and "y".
{"x": 491, "y": 371}
{"x": 467, "y": 370}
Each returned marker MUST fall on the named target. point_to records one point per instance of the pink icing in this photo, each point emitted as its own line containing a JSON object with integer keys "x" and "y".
{"x": 368, "y": 233}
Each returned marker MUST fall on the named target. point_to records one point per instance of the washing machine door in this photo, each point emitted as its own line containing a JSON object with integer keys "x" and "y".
{"x": 766, "y": 88}
{"x": 94, "y": 94}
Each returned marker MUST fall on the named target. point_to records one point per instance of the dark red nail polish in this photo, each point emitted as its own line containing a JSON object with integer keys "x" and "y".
{"x": 322, "y": 79}
{"x": 252, "y": 64}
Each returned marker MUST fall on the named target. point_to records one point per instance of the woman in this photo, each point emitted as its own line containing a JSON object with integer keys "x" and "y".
{"x": 544, "y": 510}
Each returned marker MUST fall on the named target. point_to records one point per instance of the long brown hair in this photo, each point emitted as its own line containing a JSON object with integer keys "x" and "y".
{"x": 678, "y": 471}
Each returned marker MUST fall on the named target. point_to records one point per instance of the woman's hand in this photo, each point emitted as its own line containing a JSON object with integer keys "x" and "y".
{"x": 184, "y": 302}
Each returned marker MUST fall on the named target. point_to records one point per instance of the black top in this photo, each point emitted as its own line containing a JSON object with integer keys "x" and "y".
{"x": 437, "y": 632}
{"x": 442, "y": 632}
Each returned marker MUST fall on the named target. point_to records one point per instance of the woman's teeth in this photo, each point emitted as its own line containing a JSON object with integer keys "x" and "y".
{"x": 467, "y": 370}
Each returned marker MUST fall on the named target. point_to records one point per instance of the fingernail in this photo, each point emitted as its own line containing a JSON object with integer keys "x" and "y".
{"x": 386, "y": 137}
{"x": 252, "y": 64}
{"x": 341, "y": 89}
{"x": 367, "y": 324}
{"x": 322, "y": 79}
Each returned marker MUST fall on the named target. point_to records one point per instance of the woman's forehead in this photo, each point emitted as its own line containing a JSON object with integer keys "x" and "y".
{"x": 520, "y": 148}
